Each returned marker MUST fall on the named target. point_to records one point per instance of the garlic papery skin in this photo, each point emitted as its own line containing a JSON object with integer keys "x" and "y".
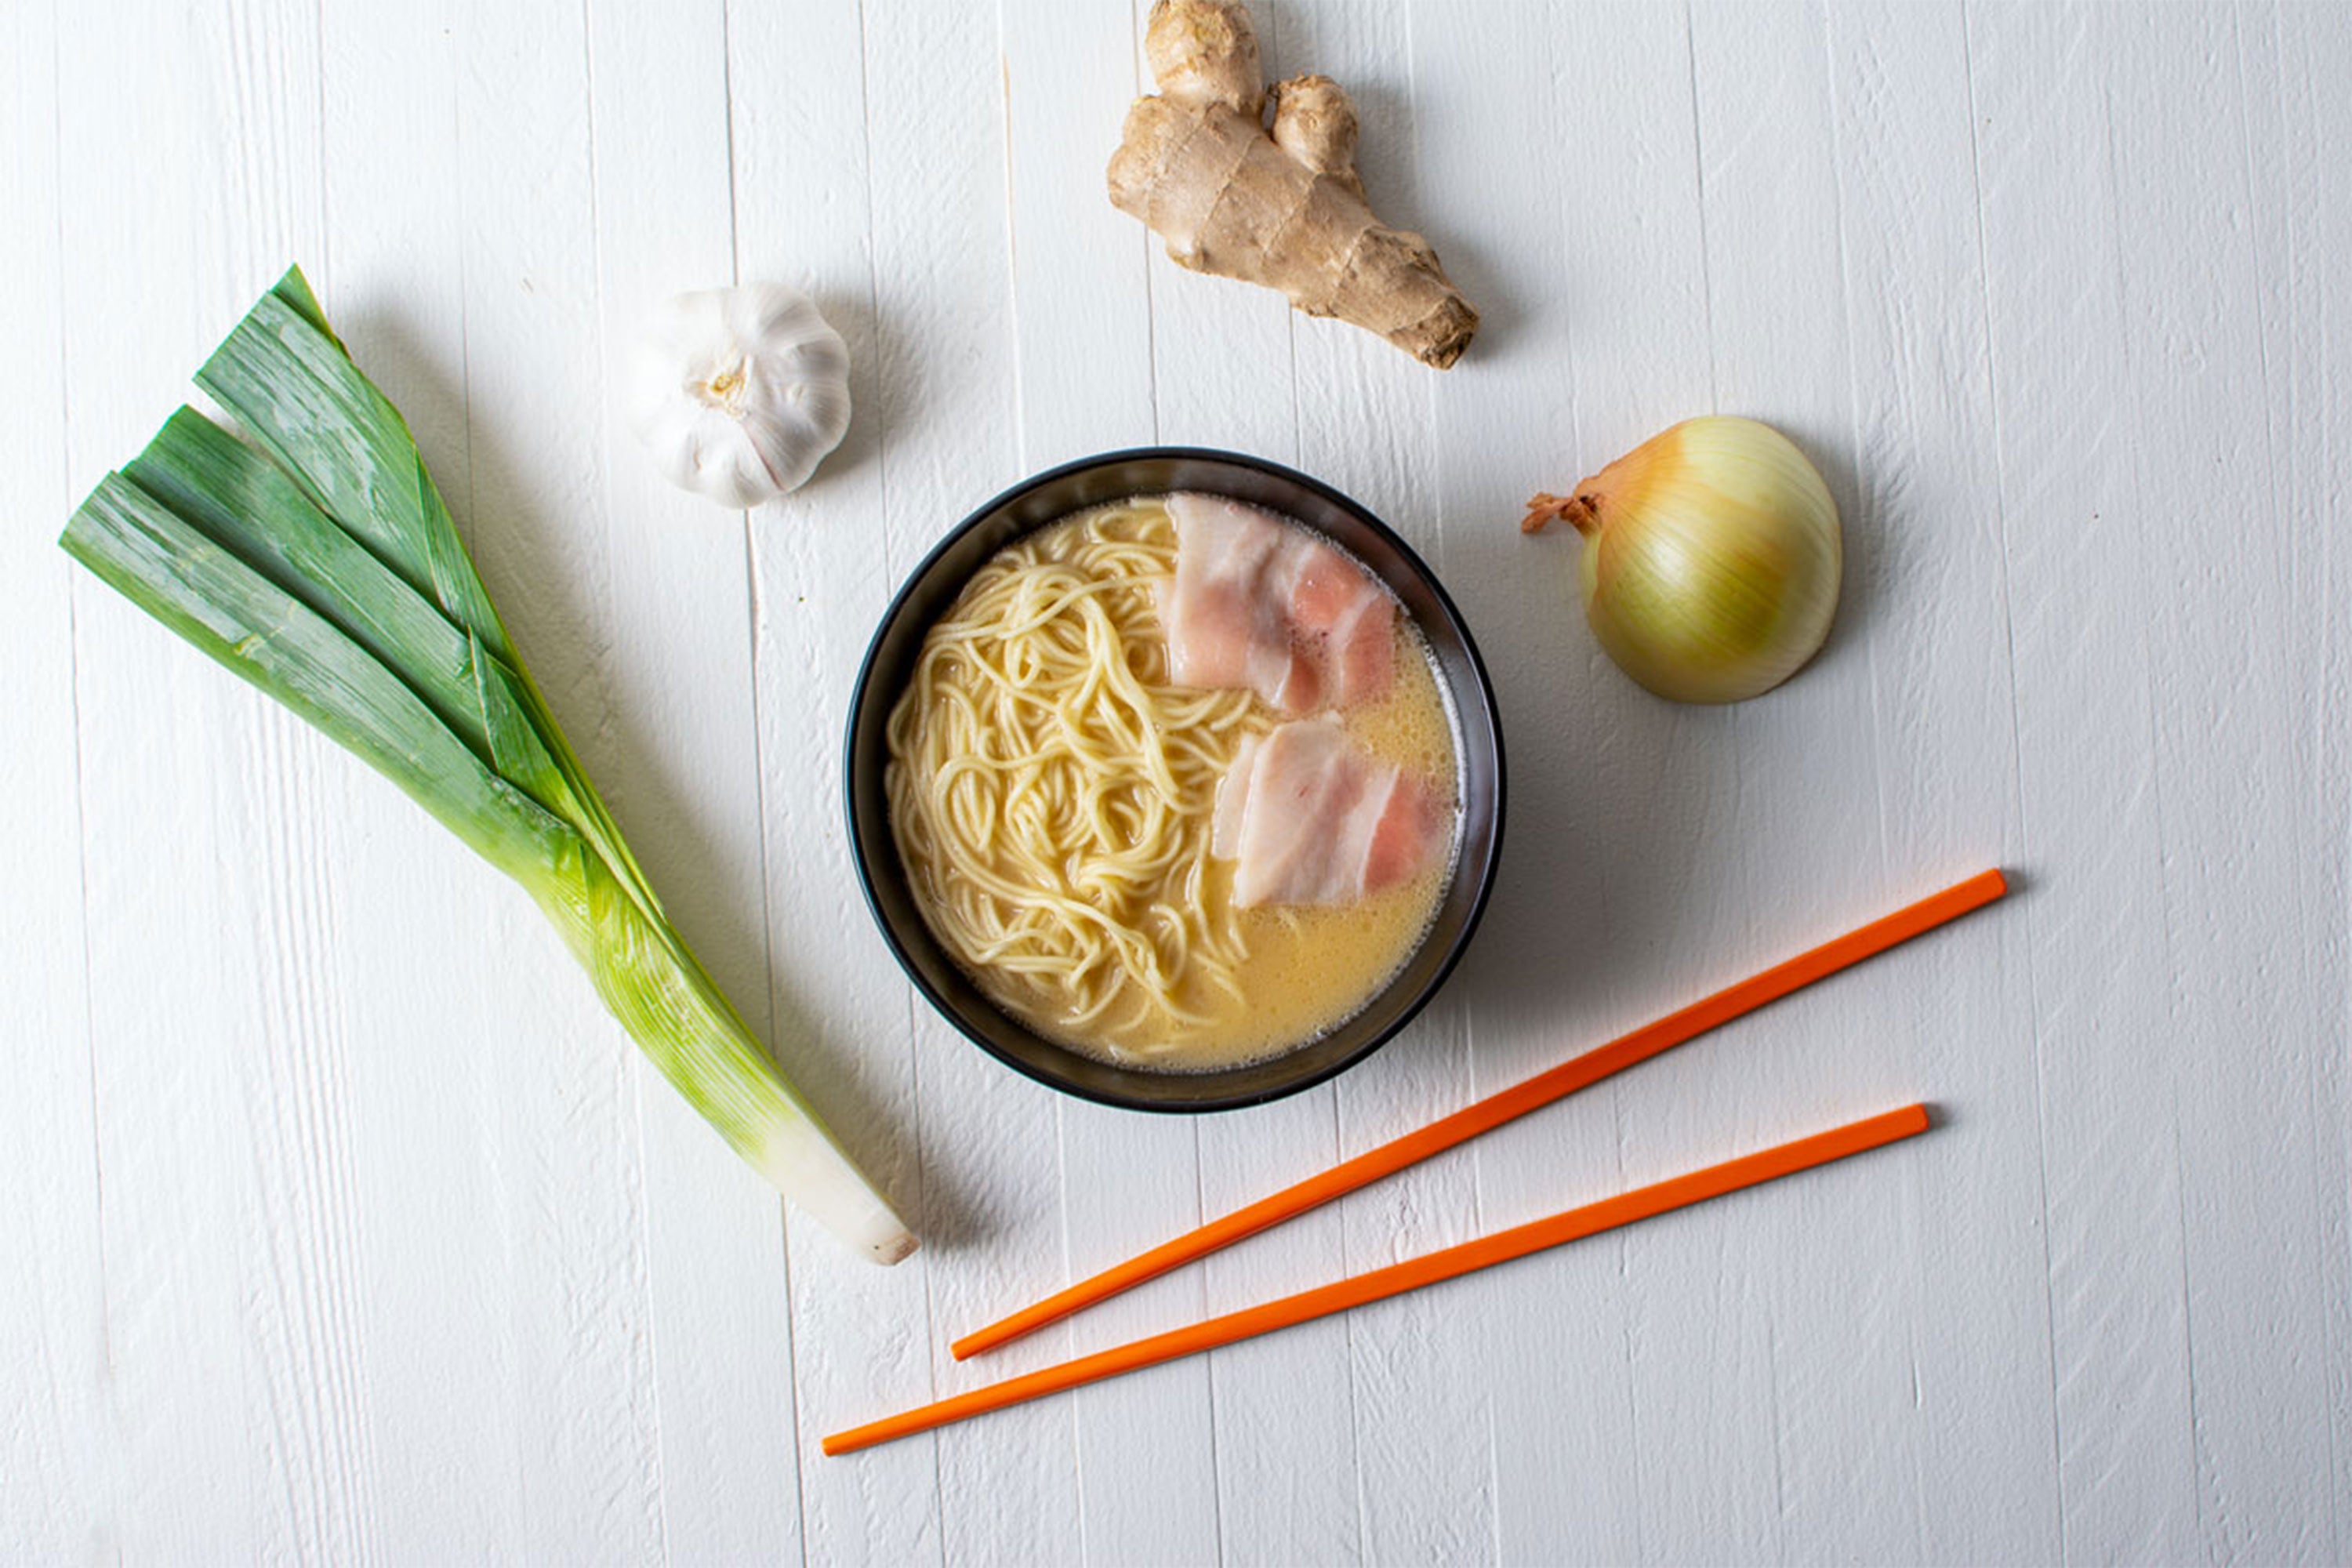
{"x": 1711, "y": 559}
{"x": 737, "y": 392}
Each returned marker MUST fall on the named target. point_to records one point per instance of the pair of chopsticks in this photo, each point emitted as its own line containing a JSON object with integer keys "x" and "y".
{"x": 1589, "y": 1219}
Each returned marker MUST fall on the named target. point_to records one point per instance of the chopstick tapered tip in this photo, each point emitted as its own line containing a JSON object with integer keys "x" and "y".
{"x": 1973, "y": 892}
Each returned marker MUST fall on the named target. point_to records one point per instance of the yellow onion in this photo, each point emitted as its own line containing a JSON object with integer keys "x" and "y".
{"x": 1711, "y": 558}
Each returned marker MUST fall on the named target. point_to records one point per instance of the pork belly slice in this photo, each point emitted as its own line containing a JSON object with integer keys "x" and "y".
{"x": 1232, "y": 800}
{"x": 1347, "y": 620}
{"x": 1261, "y": 603}
{"x": 1311, "y": 817}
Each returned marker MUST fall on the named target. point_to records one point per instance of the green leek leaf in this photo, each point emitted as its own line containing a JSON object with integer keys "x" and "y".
{"x": 246, "y": 504}
{"x": 320, "y": 564}
{"x": 289, "y": 379}
{"x": 294, "y": 388}
{"x": 168, "y": 568}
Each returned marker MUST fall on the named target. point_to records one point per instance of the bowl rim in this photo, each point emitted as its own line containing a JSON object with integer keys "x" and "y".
{"x": 1240, "y": 1099}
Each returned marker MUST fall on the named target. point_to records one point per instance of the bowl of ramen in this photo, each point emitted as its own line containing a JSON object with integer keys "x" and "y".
{"x": 1175, "y": 779}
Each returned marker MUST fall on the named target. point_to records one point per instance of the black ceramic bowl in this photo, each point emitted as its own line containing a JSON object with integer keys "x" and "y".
{"x": 933, "y": 586}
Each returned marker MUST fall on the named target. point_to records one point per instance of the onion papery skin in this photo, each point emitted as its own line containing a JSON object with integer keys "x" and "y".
{"x": 1711, "y": 559}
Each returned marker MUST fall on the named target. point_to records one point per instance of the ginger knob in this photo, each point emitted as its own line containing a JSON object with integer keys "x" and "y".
{"x": 1281, "y": 207}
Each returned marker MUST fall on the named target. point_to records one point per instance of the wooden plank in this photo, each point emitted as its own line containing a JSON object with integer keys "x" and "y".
{"x": 1423, "y": 1467}
{"x": 979, "y": 1144}
{"x": 2232, "y": 741}
{"x": 1084, "y": 375}
{"x": 2074, "y": 513}
{"x": 1734, "y": 1361}
{"x": 567, "y": 1175}
{"x": 218, "y": 1045}
{"x": 59, "y": 1447}
{"x": 1285, "y": 1435}
{"x": 684, "y": 780}
{"x": 824, "y": 563}
{"x": 1593, "y": 336}
{"x": 1081, "y": 312}
{"x": 1951, "y": 1018}
{"x": 417, "y": 972}
{"x": 1220, "y": 350}
{"x": 2302, "y": 233}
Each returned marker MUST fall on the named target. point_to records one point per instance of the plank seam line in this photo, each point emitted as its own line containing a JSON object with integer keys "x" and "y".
{"x": 655, "y": 1470}
{"x": 1780, "y": 1440}
{"x": 1012, "y": 245}
{"x": 1010, "y": 212}
{"x": 73, "y": 687}
{"x": 1620, "y": 1242}
{"x": 1347, "y": 1333}
{"x": 1209, "y": 1365}
{"x": 2324, "y": 727}
{"x": 1626, "y": 1327}
{"x": 2188, "y": 1322}
{"x": 751, "y": 623}
{"x": 1150, "y": 312}
{"x": 1200, "y": 1195}
{"x": 467, "y": 529}
{"x": 318, "y": 41}
{"x": 1698, "y": 178}
{"x": 2153, "y": 714}
{"x": 890, "y": 572}
{"x": 358, "y": 1467}
{"x": 89, "y": 1008}
{"x": 1865, "y": 503}
{"x": 2017, "y": 780}
{"x": 2271, "y": 464}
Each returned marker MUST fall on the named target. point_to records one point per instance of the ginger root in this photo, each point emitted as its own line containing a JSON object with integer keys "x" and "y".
{"x": 1285, "y": 208}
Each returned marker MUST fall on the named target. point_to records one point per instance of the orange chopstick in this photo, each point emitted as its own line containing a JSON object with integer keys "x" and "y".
{"x": 1676, "y": 1192}
{"x": 1532, "y": 1094}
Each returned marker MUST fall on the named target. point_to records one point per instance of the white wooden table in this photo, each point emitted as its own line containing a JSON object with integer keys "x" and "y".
{"x": 341, "y": 1225}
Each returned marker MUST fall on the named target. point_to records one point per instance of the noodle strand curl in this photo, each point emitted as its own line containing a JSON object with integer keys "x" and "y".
{"x": 1051, "y": 792}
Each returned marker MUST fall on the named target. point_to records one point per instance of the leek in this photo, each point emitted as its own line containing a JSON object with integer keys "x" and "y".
{"x": 315, "y": 560}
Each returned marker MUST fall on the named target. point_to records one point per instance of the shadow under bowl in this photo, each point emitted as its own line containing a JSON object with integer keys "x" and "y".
{"x": 1047, "y": 497}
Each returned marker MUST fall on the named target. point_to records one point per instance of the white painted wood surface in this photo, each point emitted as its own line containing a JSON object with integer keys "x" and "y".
{"x": 344, "y": 1227}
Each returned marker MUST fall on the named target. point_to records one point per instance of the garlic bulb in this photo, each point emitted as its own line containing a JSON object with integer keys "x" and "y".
{"x": 1711, "y": 559}
{"x": 738, "y": 392}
